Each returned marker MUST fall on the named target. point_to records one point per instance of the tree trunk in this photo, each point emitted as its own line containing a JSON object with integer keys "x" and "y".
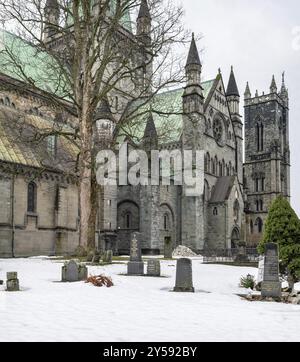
{"x": 85, "y": 187}
{"x": 94, "y": 211}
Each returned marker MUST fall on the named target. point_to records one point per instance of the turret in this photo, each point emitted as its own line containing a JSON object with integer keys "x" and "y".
{"x": 105, "y": 122}
{"x": 193, "y": 96}
{"x": 284, "y": 94}
{"x": 233, "y": 99}
{"x": 232, "y": 94}
{"x": 247, "y": 94}
{"x": 150, "y": 139}
{"x": 144, "y": 23}
{"x": 51, "y": 16}
{"x": 273, "y": 87}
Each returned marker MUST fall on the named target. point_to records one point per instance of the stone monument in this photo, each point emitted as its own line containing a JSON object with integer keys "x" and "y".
{"x": 74, "y": 272}
{"x": 271, "y": 286}
{"x": 184, "y": 276}
{"x": 12, "y": 283}
{"x": 107, "y": 257}
{"x": 153, "y": 268}
{"x": 135, "y": 265}
{"x": 168, "y": 248}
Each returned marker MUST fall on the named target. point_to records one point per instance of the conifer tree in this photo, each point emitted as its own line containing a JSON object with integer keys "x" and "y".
{"x": 283, "y": 228}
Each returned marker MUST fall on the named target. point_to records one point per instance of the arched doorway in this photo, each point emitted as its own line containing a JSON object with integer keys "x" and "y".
{"x": 235, "y": 238}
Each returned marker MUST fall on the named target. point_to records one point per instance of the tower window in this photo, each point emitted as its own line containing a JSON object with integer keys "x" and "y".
{"x": 257, "y": 185}
{"x": 128, "y": 220}
{"x": 215, "y": 211}
{"x": 31, "y": 197}
{"x": 263, "y": 184}
{"x": 166, "y": 222}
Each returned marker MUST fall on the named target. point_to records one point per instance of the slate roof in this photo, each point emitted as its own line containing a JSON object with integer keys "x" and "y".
{"x": 167, "y": 112}
{"x": 222, "y": 189}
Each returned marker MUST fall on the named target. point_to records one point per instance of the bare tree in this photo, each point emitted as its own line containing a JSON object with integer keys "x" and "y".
{"x": 91, "y": 52}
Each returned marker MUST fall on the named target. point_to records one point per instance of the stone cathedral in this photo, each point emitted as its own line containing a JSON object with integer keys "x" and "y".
{"x": 247, "y": 163}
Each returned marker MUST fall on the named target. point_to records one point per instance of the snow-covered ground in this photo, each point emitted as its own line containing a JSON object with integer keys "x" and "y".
{"x": 136, "y": 308}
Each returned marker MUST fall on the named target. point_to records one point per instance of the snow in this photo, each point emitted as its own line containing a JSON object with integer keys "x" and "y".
{"x": 137, "y": 308}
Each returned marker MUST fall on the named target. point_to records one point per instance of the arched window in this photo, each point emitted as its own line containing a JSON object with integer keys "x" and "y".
{"x": 207, "y": 162}
{"x": 215, "y": 211}
{"x": 259, "y": 225}
{"x": 260, "y": 137}
{"x": 236, "y": 210}
{"x": 251, "y": 227}
{"x": 31, "y": 197}
{"x": 7, "y": 101}
{"x": 128, "y": 220}
{"x": 166, "y": 222}
{"x": 261, "y": 204}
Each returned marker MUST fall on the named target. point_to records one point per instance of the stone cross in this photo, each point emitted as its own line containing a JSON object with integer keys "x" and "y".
{"x": 74, "y": 272}
{"x": 135, "y": 265}
{"x": 184, "y": 276}
{"x": 271, "y": 286}
{"x": 153, "y": 268}
{"x": 12, "y": 283}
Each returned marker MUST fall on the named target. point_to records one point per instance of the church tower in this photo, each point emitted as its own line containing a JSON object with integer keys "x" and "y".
{"x": 267, "y": 155}
{"x": 192, "y": 139}
{"x": 233, "y": 99}
{"x": 51, "y": 16}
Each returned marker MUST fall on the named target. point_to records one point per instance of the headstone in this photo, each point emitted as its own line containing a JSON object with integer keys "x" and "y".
{"x": 184, "y": 276}
{"x": 90, "y": 256}
{"x": 271, "y": 286}
{"x": 168, "y": 248}
{"x": 74, "y": 272}
{"x": 242, "y": 253}
{"x": 1, "y": 282}
{"x": 135, "y": 265}
{"x": 107, "y": 257}
{"x": 12, "y": 283}
{"x": 261, "y": 264}
{"x": 153, "y": 268}
{"x": 96, "y": 257}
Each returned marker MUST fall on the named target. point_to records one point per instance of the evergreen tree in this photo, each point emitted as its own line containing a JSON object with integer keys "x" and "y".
{"x": 283, "y": 228}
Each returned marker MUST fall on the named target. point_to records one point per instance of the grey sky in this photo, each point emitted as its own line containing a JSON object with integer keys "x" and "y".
{"x": 256, "y": 37}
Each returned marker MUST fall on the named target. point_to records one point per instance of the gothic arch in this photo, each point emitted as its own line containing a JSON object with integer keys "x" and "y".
{"x": 128, "y": 215}
{"x": 235, "y": 237}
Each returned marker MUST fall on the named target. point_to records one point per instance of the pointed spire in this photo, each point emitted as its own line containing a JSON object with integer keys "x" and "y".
{"x": 232, "y": 88}
{"x": 193, "y": 57}
{"x": 256, "y": 93}
{"x": 283, "y": 91}
{"x": 150, "y": 130}
{"x": 273, "y": 87}
{"x": 51, "y": 5}
{"x": 144, "y": 10}
{"x": 247, "y": 93}
{"x": 104, "y": 110}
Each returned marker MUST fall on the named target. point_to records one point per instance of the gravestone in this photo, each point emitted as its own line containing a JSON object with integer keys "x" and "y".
{"x": 135, "y": 265}
{"x": 271, "y": 286}
{"x": 184, "y": 276}
{"x": 12, "y": 283}
{"x": 153, "y": 268}
{"x": 168, "y": 248}
{"x": 96, "y": 257}
{"x": 107, "y": 257}
{"x": 90, "y": 256}
{"x": 261, "y": 265}
{"x": 74, "y": 272}
{"x": 242, "y": 253}
{"x": 1, "y": 282}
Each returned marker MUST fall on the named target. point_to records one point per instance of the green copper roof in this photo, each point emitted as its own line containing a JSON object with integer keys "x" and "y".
{"x": 167, "y": 111}
{"x": 23, "y": 61}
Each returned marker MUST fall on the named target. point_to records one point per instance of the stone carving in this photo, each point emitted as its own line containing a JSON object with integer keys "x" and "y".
{"x": 135, "y": 265}
{"x": 153, "y": 268}
{"x": 271, "y": 286}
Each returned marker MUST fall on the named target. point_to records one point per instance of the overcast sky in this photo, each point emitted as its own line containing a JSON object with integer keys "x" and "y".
{"x": 259, "y": 38}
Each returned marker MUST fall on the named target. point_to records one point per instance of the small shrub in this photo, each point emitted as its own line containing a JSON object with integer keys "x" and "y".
{"x": 100, "y": 281}
{"x": 248, "y": 282}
